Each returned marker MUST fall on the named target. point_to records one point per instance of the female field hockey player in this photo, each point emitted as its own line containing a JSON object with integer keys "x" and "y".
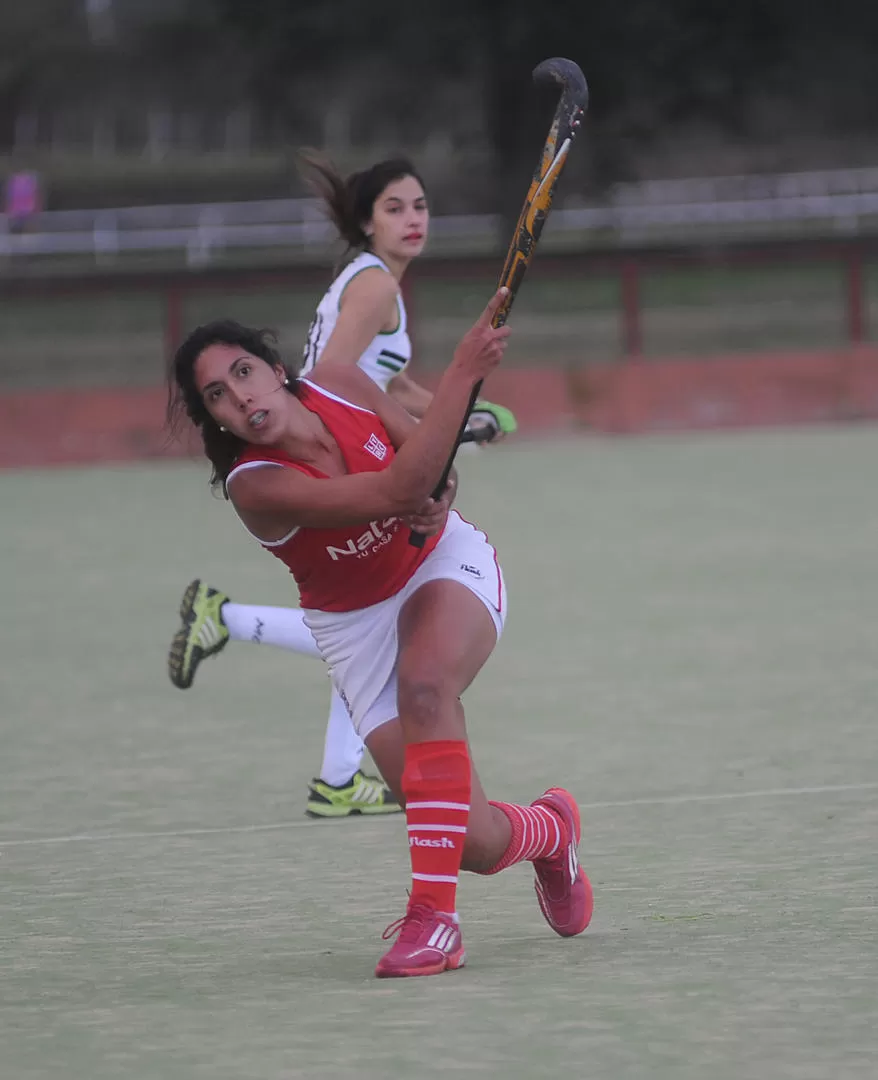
{"x": 382, "y": 216}
{"x": 329, "y": 474}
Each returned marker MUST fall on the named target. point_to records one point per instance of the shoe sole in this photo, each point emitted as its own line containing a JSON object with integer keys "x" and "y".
{"x": 177, "y": 651}
{"x": 189, "y": 599}
{"x": 573, "y": 809}
{"x": 350, "y": 811}
{"x": 448, "y": 963}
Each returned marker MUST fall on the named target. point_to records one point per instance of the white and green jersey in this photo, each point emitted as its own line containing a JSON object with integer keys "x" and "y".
{"x": 387, "y": 354}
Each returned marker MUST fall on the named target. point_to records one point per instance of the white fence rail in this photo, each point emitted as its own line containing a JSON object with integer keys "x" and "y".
{"x": 845, "y": 200}
{"x": 759, "y": 187}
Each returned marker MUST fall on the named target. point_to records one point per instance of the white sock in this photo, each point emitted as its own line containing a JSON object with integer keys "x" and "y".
{"x": 280, "y": 626}
{"x": 343, "y": 749}
{"x": 285, "y": 627}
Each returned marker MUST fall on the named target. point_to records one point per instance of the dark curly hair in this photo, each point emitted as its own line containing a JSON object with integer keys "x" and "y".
{"x": 221, "y": 448}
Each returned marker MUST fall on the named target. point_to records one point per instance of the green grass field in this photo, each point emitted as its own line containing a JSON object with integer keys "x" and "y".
{"x": 692, "y": 648}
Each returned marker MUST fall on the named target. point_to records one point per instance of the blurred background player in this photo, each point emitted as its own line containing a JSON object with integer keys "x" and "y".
{"x": 329, "y": 475}
{"x": 382, "y": 216}
{"x": 21, "y": 199}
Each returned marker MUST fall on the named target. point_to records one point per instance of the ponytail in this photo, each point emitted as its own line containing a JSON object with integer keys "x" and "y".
{"x": 337, "y": 195}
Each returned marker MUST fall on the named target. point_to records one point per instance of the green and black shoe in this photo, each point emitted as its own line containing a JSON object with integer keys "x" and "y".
{"x": 361, "y": 795}
{"x": 488, "y": 422}
{"x": 202, "y": 634}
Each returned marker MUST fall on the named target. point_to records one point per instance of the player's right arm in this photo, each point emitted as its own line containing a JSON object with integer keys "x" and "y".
{"x": 274, "y": 500}
{"x": 367, "y": 307}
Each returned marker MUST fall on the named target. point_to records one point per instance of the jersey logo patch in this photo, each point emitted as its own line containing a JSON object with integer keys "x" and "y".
{"x": 376, "y": 447}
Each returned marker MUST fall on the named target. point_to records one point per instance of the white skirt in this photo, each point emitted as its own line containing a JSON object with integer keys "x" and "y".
{"x": 361, "y": 647}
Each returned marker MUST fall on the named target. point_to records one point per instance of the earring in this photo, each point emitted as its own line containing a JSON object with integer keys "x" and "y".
{"x": 222, "y": 428}
{"x": 286, "y": 381}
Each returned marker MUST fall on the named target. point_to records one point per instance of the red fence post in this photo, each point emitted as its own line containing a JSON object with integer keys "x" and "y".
{"x": 632, "y": 341}
{"x": 856, "y": 299}
{"x": 627, "y": 382}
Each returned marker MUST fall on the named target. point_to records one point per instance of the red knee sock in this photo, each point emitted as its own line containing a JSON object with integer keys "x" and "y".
{"x": 436, "y": 784}
{"x": 537, "y": 833}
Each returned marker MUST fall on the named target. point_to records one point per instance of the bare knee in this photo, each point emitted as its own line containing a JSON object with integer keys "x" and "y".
{"x": 424, "y": 703}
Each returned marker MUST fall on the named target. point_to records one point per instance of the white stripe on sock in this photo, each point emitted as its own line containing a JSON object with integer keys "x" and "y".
{"x": 534, "y": 835}
{"x": 549, "y": 818}
{"x": 523, "y": 839}
{"x": 557, "y": 825}
{"x": 527, "y": 837}
{"x": 436, "y": 877}
{"x": 544, "y": 834}
{"x": 437, "y": 806}
{"x": 437, "y": 828}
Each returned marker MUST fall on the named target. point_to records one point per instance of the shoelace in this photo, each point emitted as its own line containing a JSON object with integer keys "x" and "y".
{"x": 410, "y": 925}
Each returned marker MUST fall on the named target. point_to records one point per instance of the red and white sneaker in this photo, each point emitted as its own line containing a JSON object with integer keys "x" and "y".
{"x": 429, "y": 943}
{"x": 563, "y": 890}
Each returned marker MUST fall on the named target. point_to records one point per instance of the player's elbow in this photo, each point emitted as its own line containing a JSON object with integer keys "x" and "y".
{"x": 407, "y": 494}
{"x": 404, "y": 504}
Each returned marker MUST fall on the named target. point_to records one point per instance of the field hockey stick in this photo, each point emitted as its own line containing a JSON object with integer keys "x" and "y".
{"x": 535, "y": 211}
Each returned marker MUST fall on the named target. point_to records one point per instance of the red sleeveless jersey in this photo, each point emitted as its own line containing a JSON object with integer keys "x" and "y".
{"x": 348, "y": 567}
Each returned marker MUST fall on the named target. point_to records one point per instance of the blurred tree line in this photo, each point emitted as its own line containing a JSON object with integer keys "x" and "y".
{"x": 753, "y": 73}
{"x": 651, "y": 66}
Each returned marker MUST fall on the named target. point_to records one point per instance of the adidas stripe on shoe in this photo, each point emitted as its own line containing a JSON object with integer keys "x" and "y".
{"x": 361, "y": 795}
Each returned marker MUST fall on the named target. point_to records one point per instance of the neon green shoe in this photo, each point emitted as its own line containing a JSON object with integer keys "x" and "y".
{"x": 361, "y": 795}
{"x": 202, "y": 634}
{"x": 488, "y": 421}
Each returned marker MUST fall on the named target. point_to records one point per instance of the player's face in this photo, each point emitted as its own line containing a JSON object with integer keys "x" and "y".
{"x": 400, "y": 219}
{"x": 240, "y": 391}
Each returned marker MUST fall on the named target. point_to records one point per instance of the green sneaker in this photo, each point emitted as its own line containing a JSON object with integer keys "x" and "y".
{"x": 488, "y": 421}
{"x": 361, "y": 795}
{"x": 202, "y": 634}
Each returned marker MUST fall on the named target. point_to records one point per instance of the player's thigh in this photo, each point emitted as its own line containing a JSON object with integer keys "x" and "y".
{"x": 446, "y": 634}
